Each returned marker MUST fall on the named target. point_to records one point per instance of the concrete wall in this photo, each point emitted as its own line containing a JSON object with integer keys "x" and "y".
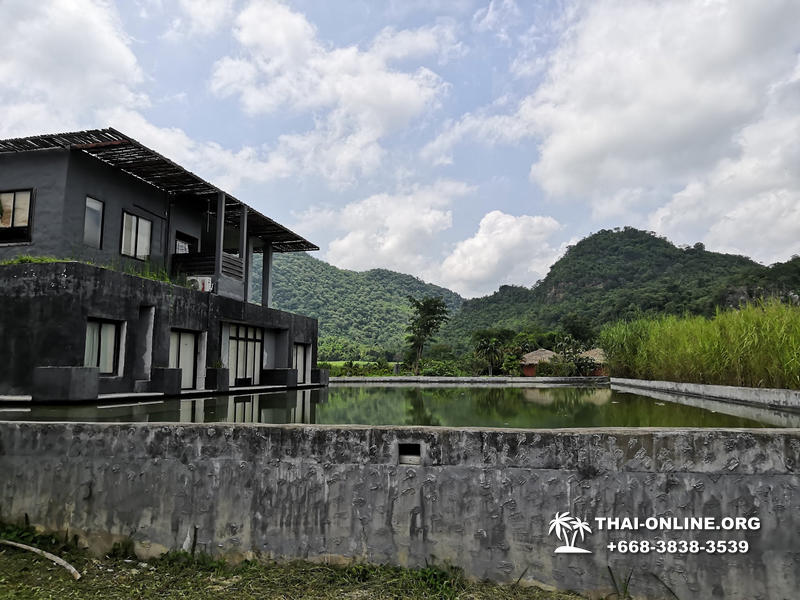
{"x": 45, "y": 308}
{"x": 784, "y": 400}
{"x": 45, "y": 172}
{"x": 481, "y": 500}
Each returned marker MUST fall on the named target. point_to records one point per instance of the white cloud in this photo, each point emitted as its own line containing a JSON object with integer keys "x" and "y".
{"x": 60, "y": 62}
{"x": 498, "y": 17}
{"x": 749, "y": 204}
{"x": 199, "y": 17}
{"x": 640, "y": 100}
{"x": 394, "y": 231}
{"x": 357, "y": 98}
{"x": 505, "y": 249}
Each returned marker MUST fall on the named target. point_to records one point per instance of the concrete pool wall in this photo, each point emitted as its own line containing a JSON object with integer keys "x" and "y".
{"x": 481, "y": 500}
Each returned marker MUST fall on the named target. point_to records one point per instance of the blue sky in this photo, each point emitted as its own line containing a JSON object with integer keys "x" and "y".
{"x": 466, "y": 142}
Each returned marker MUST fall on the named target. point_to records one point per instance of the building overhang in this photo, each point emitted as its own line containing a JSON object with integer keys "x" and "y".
{"x": 129, "y": 156}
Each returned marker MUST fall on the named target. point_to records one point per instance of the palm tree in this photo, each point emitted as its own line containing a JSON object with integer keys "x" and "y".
{"x": 561, "y": 523}
{"x": 579, "y": 526}
{"x": 491, "y": 350}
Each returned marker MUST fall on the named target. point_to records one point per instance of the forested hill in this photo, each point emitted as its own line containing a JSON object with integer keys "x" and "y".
{"x": 617, "y": 273}
{"x": 609, "y": 275}
{"x": 369, "y": 308}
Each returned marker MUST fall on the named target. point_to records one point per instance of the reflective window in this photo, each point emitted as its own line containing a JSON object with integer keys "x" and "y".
{"x": 15, "y": 215}
{"x": 245, "y": 353}
{"x": 136, "y": 236}
{"x": 102, "y": 345}
{"x": 93, "y": 223}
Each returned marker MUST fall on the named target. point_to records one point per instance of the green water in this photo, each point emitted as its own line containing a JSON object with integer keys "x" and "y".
{"x": 513, "y": 407}
{"x": 412, "y": 405}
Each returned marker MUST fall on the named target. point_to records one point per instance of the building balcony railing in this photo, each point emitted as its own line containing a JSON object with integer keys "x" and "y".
{"x": 203, "y": 264}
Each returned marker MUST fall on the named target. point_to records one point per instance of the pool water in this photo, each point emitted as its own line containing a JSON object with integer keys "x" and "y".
{"x": 448, "y": 406}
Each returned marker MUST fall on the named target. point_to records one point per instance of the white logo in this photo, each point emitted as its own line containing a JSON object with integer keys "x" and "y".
{"x": 564, "y": 525}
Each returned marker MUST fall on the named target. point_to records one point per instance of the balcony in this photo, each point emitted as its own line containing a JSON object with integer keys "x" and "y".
{"x": 203, "y": 264}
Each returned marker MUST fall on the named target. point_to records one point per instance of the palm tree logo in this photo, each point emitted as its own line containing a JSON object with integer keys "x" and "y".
{"x": 564, "y": 525}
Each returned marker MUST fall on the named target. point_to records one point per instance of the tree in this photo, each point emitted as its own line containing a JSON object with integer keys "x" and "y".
{"x": 491, "y": 350}
{"x": 427, "y": 317}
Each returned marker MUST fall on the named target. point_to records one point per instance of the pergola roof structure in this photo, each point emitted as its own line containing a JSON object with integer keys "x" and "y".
{"x": 128, "y": 155}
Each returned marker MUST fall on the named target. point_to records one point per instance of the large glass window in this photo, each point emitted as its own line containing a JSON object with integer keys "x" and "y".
{"x": 15, "y": 216}
{"x": 245, "y": 351}
{"x": 93, "y": 223}
{"x": 136, "y": 236}
{"x": 102, "y": 345}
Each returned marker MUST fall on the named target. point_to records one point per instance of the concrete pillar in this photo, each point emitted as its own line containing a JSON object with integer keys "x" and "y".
{"x": 266, "y": 277}
{"x": 220, "y": 236}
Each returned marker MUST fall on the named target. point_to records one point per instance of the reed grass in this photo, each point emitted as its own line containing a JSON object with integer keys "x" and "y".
{"x": 757, "y": 345}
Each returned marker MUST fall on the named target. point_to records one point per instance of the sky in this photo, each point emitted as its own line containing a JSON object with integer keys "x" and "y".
{"x": 467, "y": 142}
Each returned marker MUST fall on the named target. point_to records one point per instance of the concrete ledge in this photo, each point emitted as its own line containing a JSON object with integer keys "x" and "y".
{"x": 478, "y": 499}
{"x": 320, "y": 376}
{"x": 166, "y": 381}
{"x": 65, "y": 384}
{"x": 787, "y": 400}
{"x": 285, "y": 377}
{"x": 478, "y": 381}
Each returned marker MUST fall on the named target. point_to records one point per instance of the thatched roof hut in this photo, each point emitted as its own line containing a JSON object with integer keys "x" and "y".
{"x": 537, "y": 356}
{"x": 596, "y": 354}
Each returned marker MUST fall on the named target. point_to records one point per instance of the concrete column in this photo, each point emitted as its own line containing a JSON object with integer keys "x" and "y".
{"x": 266, "y": 277}
{"x": 220, "y": 236}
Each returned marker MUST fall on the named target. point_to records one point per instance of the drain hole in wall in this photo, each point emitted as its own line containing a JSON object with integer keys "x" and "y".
{"x": 409, "y": 454}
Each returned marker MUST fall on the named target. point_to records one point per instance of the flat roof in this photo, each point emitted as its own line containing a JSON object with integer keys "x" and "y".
{"x": 126, "y": 154}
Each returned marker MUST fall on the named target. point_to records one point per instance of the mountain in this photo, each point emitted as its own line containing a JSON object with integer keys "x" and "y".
{"x": 609, "y": 275}
{"x": 619, "y": 273}
{"x": 367, "y": 309}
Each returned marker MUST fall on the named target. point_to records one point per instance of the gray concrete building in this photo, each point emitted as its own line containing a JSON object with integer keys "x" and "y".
{"x": 103, "y": 318}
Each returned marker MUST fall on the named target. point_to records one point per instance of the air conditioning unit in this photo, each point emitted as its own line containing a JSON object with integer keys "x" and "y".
{"x": 201, "y": 284}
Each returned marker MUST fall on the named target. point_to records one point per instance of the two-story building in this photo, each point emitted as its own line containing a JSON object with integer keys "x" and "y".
{"x": 122, "y": 272}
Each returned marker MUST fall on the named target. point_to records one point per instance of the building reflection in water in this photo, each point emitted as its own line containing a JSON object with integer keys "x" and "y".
{"x": 292, "y": 406}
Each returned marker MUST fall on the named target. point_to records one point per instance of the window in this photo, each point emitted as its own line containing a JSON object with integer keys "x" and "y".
{"x": 245, "y": 353}
{"x": 93, "y": 223}
{"x": 15, "y": 214}
{"x": 185, "y": 244}
{"x": 102, "y": 345}
{"x": 136, "y": 236}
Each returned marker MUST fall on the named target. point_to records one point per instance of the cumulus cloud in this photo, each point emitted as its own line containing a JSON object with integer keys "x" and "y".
{"x": 393, "y": 231}
{"x": 356, "y": 95}
{"x": 59, "y": 62}
{"x": 505, "y": 249}
{"x": 199, "y": 17}
{"x": 644, "y": 105}
{"x": 748, "y": 204}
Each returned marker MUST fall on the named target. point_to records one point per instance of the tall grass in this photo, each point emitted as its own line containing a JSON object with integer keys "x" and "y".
{"x": 755, "y": 346}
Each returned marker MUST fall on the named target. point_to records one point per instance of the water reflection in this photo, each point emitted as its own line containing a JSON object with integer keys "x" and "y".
{"x": 408, "y": 405}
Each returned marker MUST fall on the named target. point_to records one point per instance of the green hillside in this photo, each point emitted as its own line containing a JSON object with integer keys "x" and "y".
{"x": 620, "y": 273}
{"x": 607, "y": 276}
{"x": 367, "y": 309}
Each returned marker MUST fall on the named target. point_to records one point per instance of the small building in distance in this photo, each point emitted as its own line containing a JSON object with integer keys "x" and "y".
{"x": 146, "y": 281}
{"x": 532, "y": 359}
{"x": 599, "y": 357}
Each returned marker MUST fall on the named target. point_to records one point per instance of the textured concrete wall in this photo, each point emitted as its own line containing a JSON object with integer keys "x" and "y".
{"x": 481, "y": 500}
{"x": 59, "y": 297}
{"x": 787, "y": 400}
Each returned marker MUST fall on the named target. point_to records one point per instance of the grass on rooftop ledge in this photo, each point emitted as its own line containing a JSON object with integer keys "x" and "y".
{"x": 180, "y": 575}
{"x": 145, "y": 269}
